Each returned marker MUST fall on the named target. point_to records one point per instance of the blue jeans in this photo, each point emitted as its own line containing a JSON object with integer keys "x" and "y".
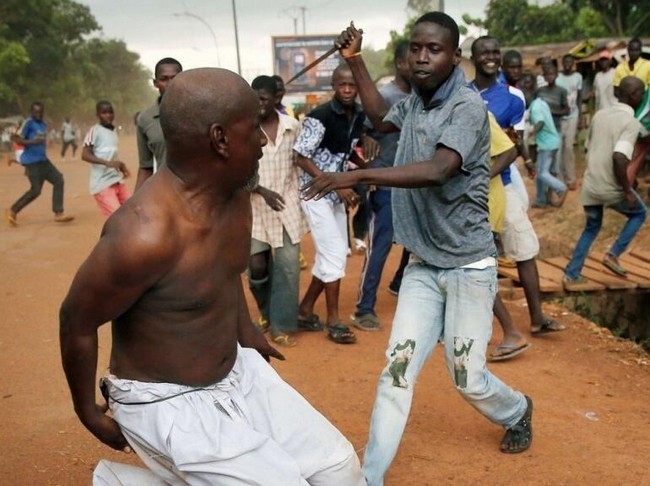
{"x": 381, "y": 241}
{"x": 594, "y": 214}
{"x": 544, "y": 177}
{"x": 276, "y": 294}
{"x": 453, "y": 304}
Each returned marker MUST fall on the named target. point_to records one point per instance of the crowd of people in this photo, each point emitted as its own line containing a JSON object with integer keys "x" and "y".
{"x": 229, "y": 182}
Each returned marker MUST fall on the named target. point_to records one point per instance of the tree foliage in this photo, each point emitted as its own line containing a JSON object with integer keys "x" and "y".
{"x": 48, "y": 52}
{"x": 517, "y": 22}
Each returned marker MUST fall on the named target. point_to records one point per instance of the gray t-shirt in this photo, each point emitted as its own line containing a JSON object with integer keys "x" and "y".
{"x": 387, "y": 141}
{"x": 446, "y": 226}
{"x": 151, "y": 142}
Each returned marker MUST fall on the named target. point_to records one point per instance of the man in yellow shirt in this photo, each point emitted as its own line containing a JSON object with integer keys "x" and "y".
{"x": 502, "y": 153}
{"x": 634, "y": 66}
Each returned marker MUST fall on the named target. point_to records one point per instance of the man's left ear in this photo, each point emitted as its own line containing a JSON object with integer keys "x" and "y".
{"x": 219, "y": 140}
{"x": 458, "y": 56}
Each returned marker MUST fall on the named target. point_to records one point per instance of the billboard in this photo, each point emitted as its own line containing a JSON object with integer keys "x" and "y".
{"x": 293, "y": 53}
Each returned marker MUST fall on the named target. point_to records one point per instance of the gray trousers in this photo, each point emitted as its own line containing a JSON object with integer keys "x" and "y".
{"x": 277, "y": 293}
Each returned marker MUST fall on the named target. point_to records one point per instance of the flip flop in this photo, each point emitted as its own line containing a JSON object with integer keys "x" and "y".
{"x": 310, "y": 324}
{"x": 283, "y": 339}
{"x": 10, "y": 218}
{"x": 549, "y": 325}
{"x": 504, "y": 352}
{"x": 341, "y": 334}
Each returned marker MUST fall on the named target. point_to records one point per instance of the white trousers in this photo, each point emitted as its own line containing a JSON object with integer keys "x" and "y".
{"x": 251, "y": 428}
{"x": 328, "y": 223}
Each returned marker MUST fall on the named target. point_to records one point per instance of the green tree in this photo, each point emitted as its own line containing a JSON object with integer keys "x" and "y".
{"x": 517, "y": 22}
{"x": 47, "y": 52}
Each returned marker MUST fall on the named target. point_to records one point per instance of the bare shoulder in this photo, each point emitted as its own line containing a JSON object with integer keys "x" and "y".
{"x": 141, "y": 233}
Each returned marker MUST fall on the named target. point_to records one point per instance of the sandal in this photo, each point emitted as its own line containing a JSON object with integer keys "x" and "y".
{"x": 283, "y": 339}
{"x": 519, "y": 437}
{"x": 341, "y": 334}
{"x": 310, "y": 324}
{"x": 549, "y": 325}
{"x": 262, "y": 324}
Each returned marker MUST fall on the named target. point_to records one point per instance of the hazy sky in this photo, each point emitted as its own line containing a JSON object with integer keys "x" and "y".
{"x": 153, "y": 28}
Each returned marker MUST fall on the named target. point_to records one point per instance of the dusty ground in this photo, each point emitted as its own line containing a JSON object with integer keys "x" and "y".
{"x": 592, "y": 421}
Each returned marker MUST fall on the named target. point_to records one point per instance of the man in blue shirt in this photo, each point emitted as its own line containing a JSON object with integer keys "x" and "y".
{"x": 520, "y": 242}
{"x": 38, "y": 168}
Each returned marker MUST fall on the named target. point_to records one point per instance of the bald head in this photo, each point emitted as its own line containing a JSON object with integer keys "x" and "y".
{"x": 198, "y": 99}
{"x": 631, "y": 91}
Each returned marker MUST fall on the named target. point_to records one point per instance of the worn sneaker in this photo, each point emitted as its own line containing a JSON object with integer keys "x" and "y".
{"x": 366, "y": 322}
{"x": 359, "y": 245}
{"x": 573, "y": 284}
{"x": 611, "y": 262}
{"x": 63, "y": 218}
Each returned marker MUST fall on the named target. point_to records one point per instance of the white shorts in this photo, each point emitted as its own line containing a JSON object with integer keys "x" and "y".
{"x": 328, "y": 223}
{"x": 518, "y": 183}
{"x": 250, "y": 428}
{"x": 518, "y": 235}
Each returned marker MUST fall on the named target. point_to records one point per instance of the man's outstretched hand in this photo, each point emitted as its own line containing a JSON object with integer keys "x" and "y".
{"x": 320, "y": 185}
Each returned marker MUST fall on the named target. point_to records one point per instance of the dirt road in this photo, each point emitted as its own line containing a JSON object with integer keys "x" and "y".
{"x": 591, "y": 391}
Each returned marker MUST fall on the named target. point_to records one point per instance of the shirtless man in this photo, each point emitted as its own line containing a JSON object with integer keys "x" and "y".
{"x": 184, "y": 389}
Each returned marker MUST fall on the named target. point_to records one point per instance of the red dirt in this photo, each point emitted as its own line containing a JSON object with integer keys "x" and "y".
{"x": 591, "y": 390}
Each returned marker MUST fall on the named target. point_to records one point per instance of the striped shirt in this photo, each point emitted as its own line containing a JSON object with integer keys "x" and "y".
{"x": 279, "y": 174}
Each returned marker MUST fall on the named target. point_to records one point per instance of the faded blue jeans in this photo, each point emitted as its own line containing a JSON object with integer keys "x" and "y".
{"x": 455, "y": 305}
{"x": 594, "y": 215}
{"x": 544, "y": 177}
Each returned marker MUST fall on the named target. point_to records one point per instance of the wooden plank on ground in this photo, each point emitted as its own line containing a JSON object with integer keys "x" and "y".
{"x": 632, "y": 264}
{"x": 555, "y": 273}
{"x": 546, "y": 285}
{"x": 597, "y": 264}
{"x": 641, "y": 254}
{"x": 611, "y": 281}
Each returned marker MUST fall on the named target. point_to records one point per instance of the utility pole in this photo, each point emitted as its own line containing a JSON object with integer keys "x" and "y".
{"x": 304, "y": 30}
{"x": 234, "y": 17}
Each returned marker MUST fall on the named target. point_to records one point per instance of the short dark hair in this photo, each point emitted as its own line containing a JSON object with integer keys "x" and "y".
{"x": 443, "y": 20}
{"x": 482, "y": 39}
{"x": 512, "y": 55}
{"x": 568, "y": 56}
{"x": 278, "y": 79}
{"x": 401, "y": 50}
{"x": 164, "y": 61}
{"x": 36, "y": 103}
{"x": 267, "y": 83}
{"x": 102, "y": 103}
{"x": 635, "y": 40}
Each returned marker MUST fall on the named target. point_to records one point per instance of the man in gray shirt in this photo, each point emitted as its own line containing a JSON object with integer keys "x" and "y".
{"x": 440, "y": 214}
{"x": 151, "y": 143}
